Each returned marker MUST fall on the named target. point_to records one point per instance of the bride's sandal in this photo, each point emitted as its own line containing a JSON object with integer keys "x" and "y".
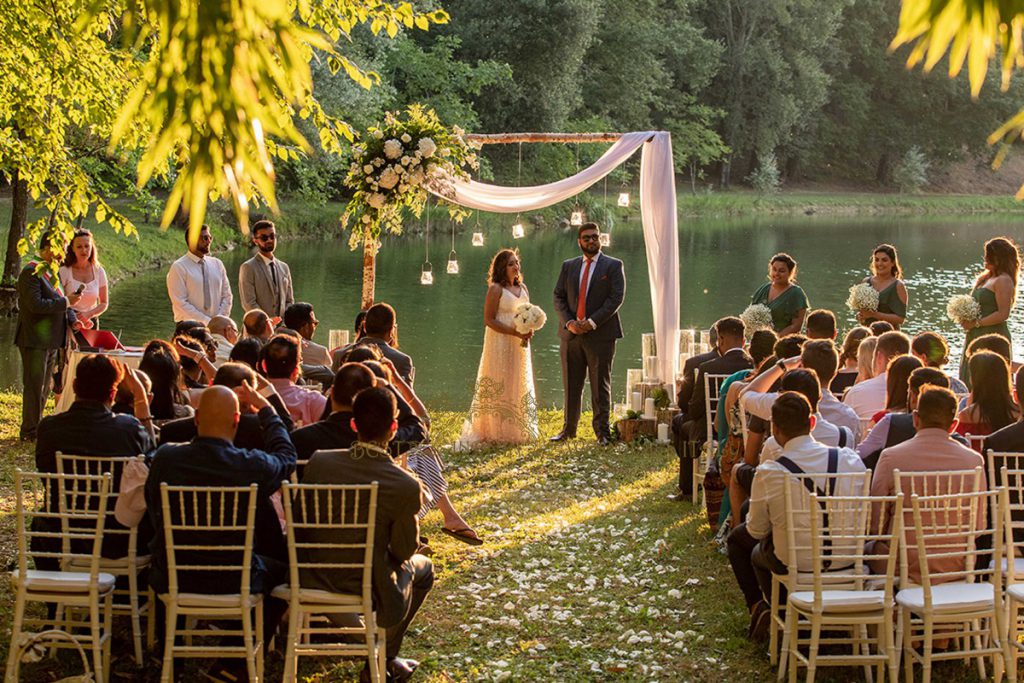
{"x": 462, "y": 535}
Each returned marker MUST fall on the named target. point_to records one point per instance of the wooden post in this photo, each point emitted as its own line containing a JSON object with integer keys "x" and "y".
{"x": 370, "y": 247}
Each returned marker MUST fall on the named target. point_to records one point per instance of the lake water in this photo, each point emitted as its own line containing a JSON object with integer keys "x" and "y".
{"x": 722, "y": 262}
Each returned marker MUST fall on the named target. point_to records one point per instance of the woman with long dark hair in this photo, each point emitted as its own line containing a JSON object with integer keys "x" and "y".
{"x": 995, "y": 290}
{"x": 991, "y": 406}
{"x": 161, "y": 363}
{"x": 783, "y": 296}
{"x": 504, "y": 408}
{"x": 897, "y": 385}
{"x": 886, "y": 279}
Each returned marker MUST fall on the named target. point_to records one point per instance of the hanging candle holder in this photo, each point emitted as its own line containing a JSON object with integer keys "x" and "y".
{"x": 453, "y": 263}
{"x": 605, "y": 239}
{"x": 623, "y": 199}
{"x": 518, "y": 231}
{"x": 427, "y": 274}
{"x": 577, "y": 217}
{"x": 478, "y": 239}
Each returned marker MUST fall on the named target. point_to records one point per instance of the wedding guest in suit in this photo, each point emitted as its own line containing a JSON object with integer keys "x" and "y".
{"x": 783, "y": 296}
{"x": 380, "y": 329}
{"x": 687, "y": 383}
{"x": 264, "y": 281}
{"x": 280, "y": 363}
{"x": 258, "y": 325}
{"x": 402, "y": 578}
{"x": 44, "y": 315}
{"x": 588, "y": 295}
{"x": 225, "y": 335}
{"x": 316, "y": 359}
{"x": 82, "y": 274}
{"x": 197, "y": 283}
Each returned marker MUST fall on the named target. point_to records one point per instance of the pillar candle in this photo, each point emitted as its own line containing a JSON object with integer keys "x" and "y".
{"x": 663, "y": 432}
{"x": 636, "y": 402}
{"x": 649, "y": 408}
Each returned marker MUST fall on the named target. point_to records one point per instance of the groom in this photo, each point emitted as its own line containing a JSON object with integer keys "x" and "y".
{"x": 588, "y": 295}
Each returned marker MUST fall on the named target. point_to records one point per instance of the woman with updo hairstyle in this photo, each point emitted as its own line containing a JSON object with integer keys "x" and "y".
{"x": 995, "y": 290}
{"x": 783, "y": 296}
{"x": 892, "y": 292}
{"x": 846, "y": 377}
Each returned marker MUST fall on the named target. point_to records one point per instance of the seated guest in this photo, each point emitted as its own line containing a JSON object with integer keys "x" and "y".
{"x": 401, "y": 577}
{"x": 996, "y": 343}
{"x": 865, "y": 360}
{"x": 247, "y": 351}
{"x": 789, "y": 346}
{"x": 897, "y": 376}
{"x": 757, "y": 546}
{"x": 689, "y": 372}
{"x": 197, "y": 369}
{"x": 821, "y": 356}
{"x": 1010, "y": 439}
{"x": 225, "y": 336}
{"x": 757, "y": 400}
{"x": 301, "y": 318}
{"x": 932, "y": 349}
{"x": 846, "y": 376}
{"x": 211, "y": 459}
{"x": 250, "y": 432}
{"x": 161, "y": 363}
{"x": 930, "y": 450}
{"x": 358, "y": 326}
{"x": 821, "y": 324}
{"x": 381, "y": 330}
{"x": 868, "y": 397}
{"x": 990, "y": 406}
{"x": 124, "y": 399}
{"x": 258, "y": 324}
{"x": 280, "y": 363}
{"x": 880, "y": 327}
{"x": 183, "y": 326}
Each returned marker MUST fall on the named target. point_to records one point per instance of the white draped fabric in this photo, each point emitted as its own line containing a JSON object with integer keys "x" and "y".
{"x": 657, "y": 211}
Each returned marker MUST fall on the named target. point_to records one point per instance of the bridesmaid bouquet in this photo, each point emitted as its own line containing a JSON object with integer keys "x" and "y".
{"x": 962, "y": 308}
{"x": 863, "y": 297}
{"x": 528, "y": 318}
{"x": 756, "y": 317}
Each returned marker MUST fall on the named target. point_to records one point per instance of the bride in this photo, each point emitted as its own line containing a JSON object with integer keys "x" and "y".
{"x": 504, "y": 408}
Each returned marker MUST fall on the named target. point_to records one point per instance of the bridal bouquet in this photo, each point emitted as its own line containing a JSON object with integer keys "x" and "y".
{"x": 528, "y": 318}
{"x": 863, "y": 297}
{"x": 756, "y": 317}
{"x": 962, "y": 308}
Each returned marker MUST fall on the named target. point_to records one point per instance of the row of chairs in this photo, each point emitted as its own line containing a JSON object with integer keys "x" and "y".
{"x": 61, "y": 522}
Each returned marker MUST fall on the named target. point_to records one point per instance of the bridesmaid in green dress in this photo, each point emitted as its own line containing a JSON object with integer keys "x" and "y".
{"x": 995, "y": 290}
{"x": 783, "y": 296}
{"x": 892, "y": 293}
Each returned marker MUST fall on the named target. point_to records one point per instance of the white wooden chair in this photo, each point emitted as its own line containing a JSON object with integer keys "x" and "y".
{"x": 842, "y": 535}
{"x": 330, "y": 529}
{"x": 1013, "y": 566}
{"x": 712, "y": 383}
{"x": 210, "y": 529}
{"x": 63, "y": 531}
{"x": 967, "y": 595}
{"x": 132, "y": 564}
{"x": 799, "y": 574}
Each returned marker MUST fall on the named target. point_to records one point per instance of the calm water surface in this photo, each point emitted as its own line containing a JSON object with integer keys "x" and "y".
{"x": 722, "y": 262}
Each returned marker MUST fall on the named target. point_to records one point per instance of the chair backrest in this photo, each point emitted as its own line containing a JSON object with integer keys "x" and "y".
{"x": 1012, "y": 479}
{"x": 330, "y": 527}
{"x": 996, "y": 461}
{"x": 712, "y": 383}
{"x": 947, "y": 529}
{"x": 976, "y": 442}
{"x": 300, "y": 465}
{"x": 843, "y": 536}
{"x": 68, "y": 463}
{"x": 59, "y": 519}
{"x": 798, "y": 506}
{"x": 208, "y": 532}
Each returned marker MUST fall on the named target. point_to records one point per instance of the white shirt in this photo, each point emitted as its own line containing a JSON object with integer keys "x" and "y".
{"x": 185, "y": 288}
{"x": 825, "y": 430}
{"x": 223, "y": 349}
{"x": 768, "y": 499}
{"x": 838, "y": 413}
{"x": 91, "y": 294}
{"x": 868, "y": 397}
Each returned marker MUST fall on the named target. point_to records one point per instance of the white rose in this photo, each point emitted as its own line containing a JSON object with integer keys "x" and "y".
{"x": 378, "y": 162}
{"x": 458, "y": 131}
{"x": 366, "y": 218}
{"x": 406, "y": 160}
{"x": 402, "y": 189}
{"x": 377, "y": 134}
{"x": 427, "y": 147}
{"x": 406, "y": 138}
{"x": 446, "y": 152}
{"x": 392, "y": 149}
{"x": 416, "y": 177}
{"x": 375, "y": 200}
{"x": 388, "y": 179}
{"x": 368, "y": 169}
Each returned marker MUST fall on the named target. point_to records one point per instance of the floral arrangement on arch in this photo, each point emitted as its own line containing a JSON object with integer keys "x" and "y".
{"x": 392, "y": 168}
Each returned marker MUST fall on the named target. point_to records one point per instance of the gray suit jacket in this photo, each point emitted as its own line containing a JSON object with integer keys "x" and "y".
{"x": 256, "y": 286}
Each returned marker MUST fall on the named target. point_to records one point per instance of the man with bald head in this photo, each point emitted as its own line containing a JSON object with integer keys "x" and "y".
{"x": 225, "y": 335}
{"x": 258, "y": 324}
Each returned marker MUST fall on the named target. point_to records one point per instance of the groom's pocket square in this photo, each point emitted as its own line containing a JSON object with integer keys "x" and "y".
{"x": 604, "y": 277}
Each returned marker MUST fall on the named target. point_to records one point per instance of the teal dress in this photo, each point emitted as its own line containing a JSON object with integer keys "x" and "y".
{"x": 784, "y": 307}
{"x": 986, "y": 298}
{"x": 889, "y": 302}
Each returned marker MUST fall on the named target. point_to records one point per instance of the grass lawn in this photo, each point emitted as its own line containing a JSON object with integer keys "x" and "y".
{"x": 588, "y": 574}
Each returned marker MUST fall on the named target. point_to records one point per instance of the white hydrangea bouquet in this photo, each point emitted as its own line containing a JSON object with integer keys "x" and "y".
{"x": 863, "y": 297}
{"x": 756, "y": 317}
{"x": 528, "y": 318}
{"x": 396, "y": 163}
{"x": 962, "y": 308}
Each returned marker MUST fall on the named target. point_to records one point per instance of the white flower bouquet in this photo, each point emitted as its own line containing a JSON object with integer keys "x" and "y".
{"x": 863, "y": 297}
{"x": 962, "y": 308}
{"x": 528, "y": 318}
{"x": 756, "y": 317}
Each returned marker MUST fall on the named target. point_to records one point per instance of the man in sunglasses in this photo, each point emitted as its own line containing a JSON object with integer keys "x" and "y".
{"x": 265, "y": 282}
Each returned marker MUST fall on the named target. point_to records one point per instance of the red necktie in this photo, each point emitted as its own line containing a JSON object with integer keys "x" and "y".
{"x": 581, "y": 305}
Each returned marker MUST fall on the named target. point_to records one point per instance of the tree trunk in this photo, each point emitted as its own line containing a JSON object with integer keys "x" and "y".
{"x": 882, "y": 171}
{"x": 726, "y": 174}
{"x": 693, "y": 177}
{"x": 12, "y": 260}
{"x": 370, "y": 247}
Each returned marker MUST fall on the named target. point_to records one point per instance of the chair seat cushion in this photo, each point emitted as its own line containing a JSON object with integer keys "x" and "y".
{"x": 1018, "y": 565}
{"x": 840, "y": 601}
{"x": 63, "y": 582}
{"x": 949, "y": 597}
{"x": 312, "y": 596}
{"x": 213, "y": 601}
{"x": 1016, "y": 591}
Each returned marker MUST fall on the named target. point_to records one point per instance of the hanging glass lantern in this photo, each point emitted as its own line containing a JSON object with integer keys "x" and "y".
{"x": 478, "y": 239}
{"x": 427, "y": 274}
{"x": 518, "y": 231}
{"x": 605, "y": 238}
{"x": 623, "y": 199}
{"x": 453, "y": 263}
{"x": 576, "y": 218}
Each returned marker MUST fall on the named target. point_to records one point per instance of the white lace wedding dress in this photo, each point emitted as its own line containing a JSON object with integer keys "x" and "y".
{"x": 504, "y": 408}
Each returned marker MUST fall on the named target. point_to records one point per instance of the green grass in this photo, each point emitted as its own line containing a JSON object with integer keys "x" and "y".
{"x": 841, "y": 203}
{"x": 588, "y": 573}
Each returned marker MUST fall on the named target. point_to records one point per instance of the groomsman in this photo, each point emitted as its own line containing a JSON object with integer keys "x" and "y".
{"x": 265, "y": 282}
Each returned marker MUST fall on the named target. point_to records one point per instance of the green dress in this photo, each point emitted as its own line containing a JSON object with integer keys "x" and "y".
{"x": 986, "y": 298}
{"x": 889, "y": 302}
{"x": 784, "y": 306}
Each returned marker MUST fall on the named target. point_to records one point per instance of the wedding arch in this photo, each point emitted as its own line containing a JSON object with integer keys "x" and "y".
{"x": 657, "y": 212}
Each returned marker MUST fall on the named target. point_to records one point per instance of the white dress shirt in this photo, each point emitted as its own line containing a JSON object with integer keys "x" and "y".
{"x": 868, "y": 397}
{"x": 185, "y": 288}
{"x": 825, "y": 430}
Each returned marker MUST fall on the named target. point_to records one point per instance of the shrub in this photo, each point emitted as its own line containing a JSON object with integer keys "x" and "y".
{"x": 911, "y": 174}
